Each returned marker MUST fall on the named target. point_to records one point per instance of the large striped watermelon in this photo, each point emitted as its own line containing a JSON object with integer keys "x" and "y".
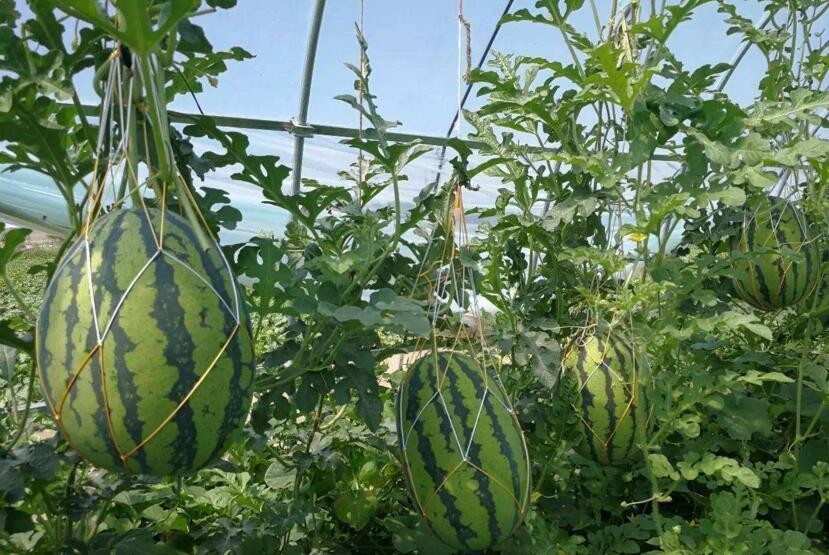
{"x": 464, "y": 457}
{"x": 143, "y": 346}
{"x": 608, "y": 374}
{"x": 784, "y": 265}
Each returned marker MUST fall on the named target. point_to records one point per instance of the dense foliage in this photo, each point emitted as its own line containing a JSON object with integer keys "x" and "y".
{"x": 592, "y": 227}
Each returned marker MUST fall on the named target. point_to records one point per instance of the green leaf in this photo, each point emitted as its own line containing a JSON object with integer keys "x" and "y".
{"x": 417, "y": 324}
{"x": 279, "y": 477}
{"x": 802, "y": 104}
{"x": 8, "y": 13}
{"x": 12, "y": 239}
{"x": 744, "y": 475}
{"x": 411, "y": 535}
{"x": 661, "y": 466}
{"x": 192, "y": 38}
{"x": 729, "y": 469}
{"x": 14, "y": 337}
{"x": 756, "y": 176}
{"x": 716, "y": 152}
{"x": 93, "y": 13}
{"x": 173, "y": 12}
{"x": 367, "y": 316}
{"x": 744, "y": 416}
{"x": 356, "y": 508}
{"x": 758, "y": 378}
{"x": 614, "y": 77}
{"x": 752, "y": 150}
{"x": 730, "y": 196}
{"x": 811, "y": 148}
{"x": 564, "y": 212}
{"x": 12, "y": 485}
{"x": 139, "y": 542}
{"x": 736, "y": 320}
{"x": 13, "y": 521}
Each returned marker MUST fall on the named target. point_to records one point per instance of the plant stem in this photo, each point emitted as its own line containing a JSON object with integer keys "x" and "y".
{"x": 67, "y": 505}
{"x": 18, "y": 298}
{"x": 154, "y": 109}
{"x": 807, "y": 340}
{"x": 596, "y": 19}
{"x": 813, "y": 516}
{"x": 301, "y": 471}
{"x": 553, "y": 7}
{"x": 25, "y": 418}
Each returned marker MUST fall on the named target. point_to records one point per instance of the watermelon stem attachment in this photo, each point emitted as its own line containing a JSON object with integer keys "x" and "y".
{"x": 167, "y": 171}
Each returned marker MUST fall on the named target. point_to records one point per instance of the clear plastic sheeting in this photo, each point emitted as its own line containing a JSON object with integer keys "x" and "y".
{"x": 413, "y": 51}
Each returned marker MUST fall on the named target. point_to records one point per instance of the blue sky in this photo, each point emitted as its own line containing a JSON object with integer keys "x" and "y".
{"x": 413, "y": 51}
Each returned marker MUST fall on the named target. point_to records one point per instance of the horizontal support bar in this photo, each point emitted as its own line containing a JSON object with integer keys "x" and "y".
{"x": 234, "y": 122}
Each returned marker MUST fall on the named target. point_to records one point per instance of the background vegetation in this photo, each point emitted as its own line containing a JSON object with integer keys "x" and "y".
{"x": 590, "y": 224}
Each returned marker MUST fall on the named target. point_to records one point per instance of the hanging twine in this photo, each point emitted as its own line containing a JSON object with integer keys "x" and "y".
{"x": 467, "y": 30}
{"x": 360, "y": 86}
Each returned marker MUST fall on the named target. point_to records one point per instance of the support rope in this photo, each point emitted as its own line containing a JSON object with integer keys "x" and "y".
{"x": 360, "y": 92}
{"x": 468, "y": 91}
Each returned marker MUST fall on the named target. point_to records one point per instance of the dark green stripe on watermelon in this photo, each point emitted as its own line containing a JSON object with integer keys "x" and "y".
{"x": 765, "y": 276}
{"x": 464, "y": 456}
{"x": 167, "y": 328}
{"x": 587, "y": 399}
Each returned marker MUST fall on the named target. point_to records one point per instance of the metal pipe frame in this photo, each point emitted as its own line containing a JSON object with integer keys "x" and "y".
{"x": 305, "y": 93}
{"x": 312, "y": 129}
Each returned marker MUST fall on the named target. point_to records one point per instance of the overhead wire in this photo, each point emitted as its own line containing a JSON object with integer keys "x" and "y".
{"x": 469, "y": 85}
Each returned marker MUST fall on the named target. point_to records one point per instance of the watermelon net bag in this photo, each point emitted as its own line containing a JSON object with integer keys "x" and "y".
{"x": 143, "y": 347}
{"x": 463, "y": 453}
{"x": 604, "y": 372}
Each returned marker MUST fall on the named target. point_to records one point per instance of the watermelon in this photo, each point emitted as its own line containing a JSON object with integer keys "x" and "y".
{"x": 143, "y": 346}
{"x": 464, "y": 456}
{"x": 818, "y": 303}
{"x": 603, "y": 375}
{"x": 785, "y": 264}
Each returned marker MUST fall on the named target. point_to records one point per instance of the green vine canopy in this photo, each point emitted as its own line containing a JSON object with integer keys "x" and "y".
{"x": 624, "y": 350}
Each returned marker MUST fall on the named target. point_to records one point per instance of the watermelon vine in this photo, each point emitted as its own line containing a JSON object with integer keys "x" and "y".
{"x": 651, "y": 375}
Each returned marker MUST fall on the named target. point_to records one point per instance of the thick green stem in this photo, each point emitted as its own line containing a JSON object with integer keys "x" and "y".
{"x": 163, "y": 168}
{"x": 166, "y": 171}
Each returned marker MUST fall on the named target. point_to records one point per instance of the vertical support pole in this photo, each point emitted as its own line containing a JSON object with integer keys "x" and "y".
{"x": 305, "y": 93}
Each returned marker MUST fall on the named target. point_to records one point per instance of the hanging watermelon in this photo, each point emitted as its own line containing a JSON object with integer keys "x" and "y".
{"x": 613, "y": 410}
{"x": 464, "y": 457}
{"x": 785, "y": 264}
{"x": 143, "y": 346}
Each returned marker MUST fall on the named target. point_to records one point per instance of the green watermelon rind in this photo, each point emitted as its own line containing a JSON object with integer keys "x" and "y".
{"x": 484, "y": 515}
{"x": 769, "y": 281}
{"x": 609, "y": 378}
{"x": 143, "y": 402}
